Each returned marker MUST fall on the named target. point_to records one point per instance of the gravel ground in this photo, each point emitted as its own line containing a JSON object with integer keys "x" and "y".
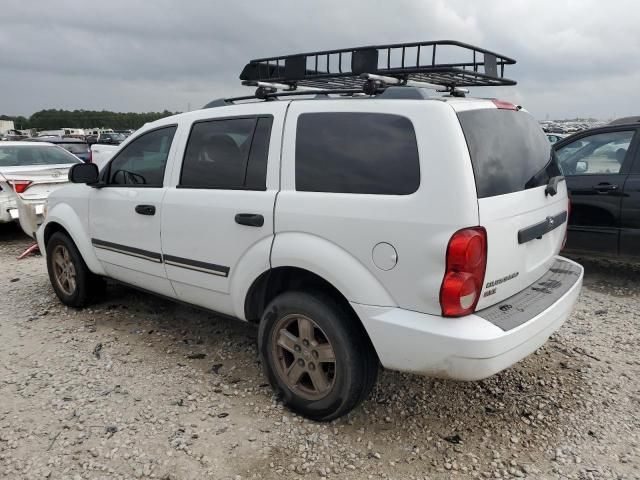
{"x": 139, "y": 387}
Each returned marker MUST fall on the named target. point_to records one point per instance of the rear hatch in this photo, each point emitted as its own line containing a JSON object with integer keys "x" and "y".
{"x": 526, "y": 224}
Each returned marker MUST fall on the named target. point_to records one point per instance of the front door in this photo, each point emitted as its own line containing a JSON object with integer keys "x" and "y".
{"x": 217, "y": 223}
{"x": 596, "y": 167}
{"x": 124, "y": 215}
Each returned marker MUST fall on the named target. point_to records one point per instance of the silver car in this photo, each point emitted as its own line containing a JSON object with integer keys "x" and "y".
{"x": 33, "y": 171}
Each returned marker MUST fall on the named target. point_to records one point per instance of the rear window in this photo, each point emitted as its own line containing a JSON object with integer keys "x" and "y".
{"x": 24, "y": 155}
{"x": 371, "y": 153}
{"x": 509, "y": 151}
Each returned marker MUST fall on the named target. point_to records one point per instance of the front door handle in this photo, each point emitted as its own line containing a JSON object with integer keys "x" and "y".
{"x": 146, "y": 209}
{"x": 250, "y": 219}
{"x": 605, "y": 187}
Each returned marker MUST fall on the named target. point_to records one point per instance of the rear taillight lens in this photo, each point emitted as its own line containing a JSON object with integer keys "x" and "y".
{"x": 504, "y": 105}
{"x": 463, "y": 278}
{"x": 90, "y": 156}
{"x": 20, "y": 185}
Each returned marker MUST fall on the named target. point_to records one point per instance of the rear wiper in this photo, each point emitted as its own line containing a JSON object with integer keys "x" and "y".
{"x": 552, "y": 185}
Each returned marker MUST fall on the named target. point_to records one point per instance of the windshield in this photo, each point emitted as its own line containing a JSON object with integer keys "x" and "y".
{"x": 509, "y": 151}
{"x": 26, "y": 155}
{"x": 78, "y": 148}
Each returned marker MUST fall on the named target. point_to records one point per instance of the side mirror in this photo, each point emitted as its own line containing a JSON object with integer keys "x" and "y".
{"x": 582, "y": 166}
{"x": 84, "y": 173}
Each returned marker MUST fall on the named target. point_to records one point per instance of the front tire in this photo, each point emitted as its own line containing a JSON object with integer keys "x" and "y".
{"x": 70, "y": 277}
{"x": 315, "y": 355}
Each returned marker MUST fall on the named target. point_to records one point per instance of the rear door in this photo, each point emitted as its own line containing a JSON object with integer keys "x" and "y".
{"x": 525, "y": 226}
{"x": 124, "y": 215}
{"x": 217, "y": 221}
{"x": 596, "y": 165}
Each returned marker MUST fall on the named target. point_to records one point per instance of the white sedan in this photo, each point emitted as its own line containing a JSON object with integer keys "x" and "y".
{"x": 33, "y": 171}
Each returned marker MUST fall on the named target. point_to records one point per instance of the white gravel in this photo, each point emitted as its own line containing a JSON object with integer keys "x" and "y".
{"x": 121, "y": 391}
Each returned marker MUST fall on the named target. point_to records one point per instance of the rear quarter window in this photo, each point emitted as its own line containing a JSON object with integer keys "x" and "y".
{"x": 509, "y": 151}
{"x": 367, "y": 153}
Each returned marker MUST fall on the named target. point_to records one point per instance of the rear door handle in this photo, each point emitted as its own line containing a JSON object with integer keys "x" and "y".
{"x": 146, "y": 209}
{"x": 250, "y": 219}
{"x": 605, "y": 187}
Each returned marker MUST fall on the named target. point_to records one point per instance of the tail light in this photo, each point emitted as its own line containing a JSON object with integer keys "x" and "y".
{"x": 90, "y": 156}
{"x": 464, "y": 276}
{"x": 504, "y": 105}
{"x": 20, "y": 185}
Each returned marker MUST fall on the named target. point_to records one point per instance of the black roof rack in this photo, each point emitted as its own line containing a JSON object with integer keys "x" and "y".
{"x": 354, "y": 68}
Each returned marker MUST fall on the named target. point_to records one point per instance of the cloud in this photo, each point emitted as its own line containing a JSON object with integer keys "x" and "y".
{"x": 574, "y": 56}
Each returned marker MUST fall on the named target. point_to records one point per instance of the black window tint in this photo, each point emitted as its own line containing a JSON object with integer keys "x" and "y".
{"x": 509, "y": 151}
{"x": 143, "y": 161}
{"x": 256, "y": 178}
{"x": 370, "y": 153}
{"x": 217, "y": 153}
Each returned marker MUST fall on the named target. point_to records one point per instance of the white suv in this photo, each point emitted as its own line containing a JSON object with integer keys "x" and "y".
{"x": 417, "y": 233}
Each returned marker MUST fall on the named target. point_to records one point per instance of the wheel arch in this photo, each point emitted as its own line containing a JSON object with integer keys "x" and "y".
{"x": 69, "y": 224}
{"x": 275, "y": 281}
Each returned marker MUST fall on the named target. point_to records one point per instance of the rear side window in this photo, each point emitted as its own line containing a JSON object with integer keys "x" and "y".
{"x": 227, "y": 154}
{"x": 509, "y": 151}
{"x": 370, "y": 153}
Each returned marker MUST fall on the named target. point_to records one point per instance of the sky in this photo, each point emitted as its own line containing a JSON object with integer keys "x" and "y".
{"x": 575, "y": 57}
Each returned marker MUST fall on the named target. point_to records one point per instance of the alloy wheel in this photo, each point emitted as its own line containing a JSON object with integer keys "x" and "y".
{"x": 304, "y": 357}
{"x": 64, "y": 271}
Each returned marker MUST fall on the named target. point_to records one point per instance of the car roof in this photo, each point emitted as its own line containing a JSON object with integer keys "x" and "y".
{"x": 626, "y": 120}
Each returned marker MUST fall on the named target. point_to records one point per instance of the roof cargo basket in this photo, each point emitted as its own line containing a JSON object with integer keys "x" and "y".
{"x": 370, "y": 69}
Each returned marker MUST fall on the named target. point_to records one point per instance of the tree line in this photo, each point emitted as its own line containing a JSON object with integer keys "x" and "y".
{"x": 53, "y": 119}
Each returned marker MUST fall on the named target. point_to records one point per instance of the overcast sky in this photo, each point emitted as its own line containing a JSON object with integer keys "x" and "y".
{"x": 575, "y": 57}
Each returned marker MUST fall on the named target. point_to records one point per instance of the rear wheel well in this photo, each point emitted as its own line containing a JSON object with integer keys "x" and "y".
{"x": 282, "y": 279}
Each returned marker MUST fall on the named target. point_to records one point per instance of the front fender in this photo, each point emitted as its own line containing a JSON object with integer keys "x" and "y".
{"x": 332, "y": 263}
{"x": 67, "y": 218}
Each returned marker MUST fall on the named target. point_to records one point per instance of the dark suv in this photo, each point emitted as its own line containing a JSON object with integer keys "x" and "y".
{"x": 603, "y": 176}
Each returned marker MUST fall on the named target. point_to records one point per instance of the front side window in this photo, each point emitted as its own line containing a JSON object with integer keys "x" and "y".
{"x": 368, "y": 153}
{"x": 227, "y": 154}
{"x": 143, "y": 161}
{"x": 600, "y": 154}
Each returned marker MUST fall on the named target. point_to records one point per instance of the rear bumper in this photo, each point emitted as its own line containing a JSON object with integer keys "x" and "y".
{"x": 466, "y": 348}
{"x": 6, "y": 205}
{"x": 38, "y": 206}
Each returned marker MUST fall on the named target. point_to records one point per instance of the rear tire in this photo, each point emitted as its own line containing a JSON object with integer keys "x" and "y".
{"x": 70, "y": 277}
{"x": 315, "y": 355}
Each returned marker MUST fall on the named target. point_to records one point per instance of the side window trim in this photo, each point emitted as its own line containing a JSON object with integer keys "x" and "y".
{"x": 632, "y": 152}
{"x": 106, "y": 171}
{"x": 256, "y": 118}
